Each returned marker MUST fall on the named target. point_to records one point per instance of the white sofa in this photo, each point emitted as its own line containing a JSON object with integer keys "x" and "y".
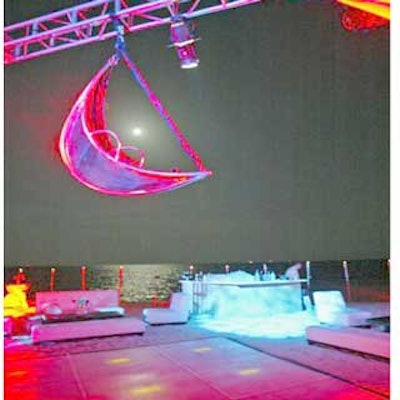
{"x": 178, "y": 311}
{"x": 78, "y": 314}
{"x": 330, "y": 308}
{"x": 75, "y": 301}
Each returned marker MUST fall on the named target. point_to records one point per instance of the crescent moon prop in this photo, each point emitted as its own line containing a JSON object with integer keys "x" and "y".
{"x": 95, "y": 155}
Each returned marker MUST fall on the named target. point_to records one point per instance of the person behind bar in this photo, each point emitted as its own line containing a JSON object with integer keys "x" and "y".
{"x": 292, "y": 273}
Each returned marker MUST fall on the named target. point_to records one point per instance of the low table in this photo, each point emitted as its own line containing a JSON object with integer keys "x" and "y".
{"x": 47, "y": 319}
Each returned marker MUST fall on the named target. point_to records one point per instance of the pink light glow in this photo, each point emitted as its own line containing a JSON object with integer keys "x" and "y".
{"x": 95, "y": 155}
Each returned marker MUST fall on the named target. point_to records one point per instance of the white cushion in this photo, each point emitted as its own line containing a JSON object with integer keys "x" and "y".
{"x": 51, "y": 309}
{"x": 119, "y": 310}
{"x": 178, "y": 311}
{"x": 156, "y": 316}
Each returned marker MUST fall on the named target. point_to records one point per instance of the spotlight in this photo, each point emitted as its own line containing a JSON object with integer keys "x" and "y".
{"x": 183, "y": 39}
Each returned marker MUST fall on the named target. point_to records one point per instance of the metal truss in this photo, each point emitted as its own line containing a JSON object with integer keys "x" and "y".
{"x": 97, "y": 20}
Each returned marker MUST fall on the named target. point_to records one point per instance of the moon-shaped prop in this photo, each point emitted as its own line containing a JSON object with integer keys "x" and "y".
{"x": 95, "y": 155}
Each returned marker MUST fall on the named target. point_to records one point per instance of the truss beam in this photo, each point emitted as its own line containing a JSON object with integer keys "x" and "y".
{"x": 95, "y": 21}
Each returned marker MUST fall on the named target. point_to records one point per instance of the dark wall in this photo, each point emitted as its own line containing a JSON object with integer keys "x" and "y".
{"x": 290, "y": 111}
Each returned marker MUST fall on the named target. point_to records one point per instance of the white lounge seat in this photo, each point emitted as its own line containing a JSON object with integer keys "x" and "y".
{"x": 357, "y": 339}
{"x": 68, "y": 301}
{"x": 178, "y": 311}
{"x": 78, "y": 314}
{"x": 331, "y": 309}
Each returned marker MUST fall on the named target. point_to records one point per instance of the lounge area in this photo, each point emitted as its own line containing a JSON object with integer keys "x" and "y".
{"x": 87, "y": 314}
{"x": 77, "y": 314}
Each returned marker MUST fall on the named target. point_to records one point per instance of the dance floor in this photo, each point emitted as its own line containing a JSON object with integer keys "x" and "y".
{"x": 187, "y": 362}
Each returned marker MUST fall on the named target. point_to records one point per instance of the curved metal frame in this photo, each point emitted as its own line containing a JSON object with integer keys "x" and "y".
{"x": 98, "y": 164}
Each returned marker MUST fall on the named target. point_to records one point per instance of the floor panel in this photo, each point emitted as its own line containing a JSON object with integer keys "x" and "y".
{"x": 203, "y": 369}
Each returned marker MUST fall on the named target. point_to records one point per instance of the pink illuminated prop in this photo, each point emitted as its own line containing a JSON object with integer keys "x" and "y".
{"x": 95, "y": 155}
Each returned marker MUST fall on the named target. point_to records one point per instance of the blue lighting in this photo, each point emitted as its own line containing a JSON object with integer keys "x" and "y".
{"x": 275, "y": 327}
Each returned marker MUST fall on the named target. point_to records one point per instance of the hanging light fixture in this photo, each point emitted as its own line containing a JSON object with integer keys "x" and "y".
{"x": 182, "y": 37}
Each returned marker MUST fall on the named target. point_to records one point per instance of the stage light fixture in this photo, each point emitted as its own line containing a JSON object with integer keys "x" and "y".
{"x": 182, "y": 37}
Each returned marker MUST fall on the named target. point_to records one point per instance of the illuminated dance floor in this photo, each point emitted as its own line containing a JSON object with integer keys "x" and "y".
{"x": 213, "y": 368}
{"x": 185, "y": 362}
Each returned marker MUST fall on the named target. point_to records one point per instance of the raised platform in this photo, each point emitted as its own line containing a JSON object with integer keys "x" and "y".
{"x": 86, "y": 329}
{"x": 361, "y": 340}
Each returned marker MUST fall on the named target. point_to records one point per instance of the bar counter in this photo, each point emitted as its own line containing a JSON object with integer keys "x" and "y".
{"x": 226, "y": 299}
